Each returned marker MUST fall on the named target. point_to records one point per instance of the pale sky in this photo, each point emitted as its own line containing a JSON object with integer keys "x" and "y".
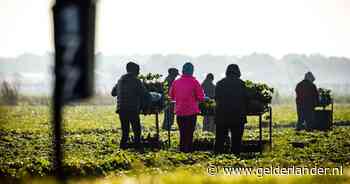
{"x": 193, "y": 27}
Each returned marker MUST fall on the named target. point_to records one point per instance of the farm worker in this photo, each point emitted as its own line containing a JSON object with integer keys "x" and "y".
{"x": 209, "y": 91}
{"x": 169, "y": 108}
{"x": 130, "y": 93}
{"x": 186, "y": 92}
{"x": 306, "y": 101}
{"x": 231, "y": 102}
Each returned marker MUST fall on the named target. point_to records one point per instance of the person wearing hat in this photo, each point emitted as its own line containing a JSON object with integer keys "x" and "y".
{"x": 169, "y": 108}
{"x": 307, "y": 98}
{"x": 186, "y": 92}
{"x": 231, "y": 101}
{"x": 130, "y": 94}
{"x": 209, "y": 91}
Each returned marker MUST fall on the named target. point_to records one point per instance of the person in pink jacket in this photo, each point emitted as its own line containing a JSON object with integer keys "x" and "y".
{"x": 186, "y": 92}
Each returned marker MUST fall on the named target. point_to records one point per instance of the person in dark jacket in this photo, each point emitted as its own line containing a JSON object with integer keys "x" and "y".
{"x": 169, "y": 115}
{"x": 307, "y": 98}
{"x": 130, "y": 93}
{"x": 231, "y": 102}
{"x": 209, "y": 91}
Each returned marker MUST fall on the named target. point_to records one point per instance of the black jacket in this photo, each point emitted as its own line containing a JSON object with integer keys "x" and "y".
{"x": 231, "y": 100}
{"x": 130, "y": 93}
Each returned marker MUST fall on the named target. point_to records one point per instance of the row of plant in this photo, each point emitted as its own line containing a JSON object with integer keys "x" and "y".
{"x": 92, "y": 136}
{"x": 259, "y": 96}
{"x": 98, "y": 154}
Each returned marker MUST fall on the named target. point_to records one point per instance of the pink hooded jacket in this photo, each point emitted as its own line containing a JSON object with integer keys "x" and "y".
{"x": 186, "y": 92}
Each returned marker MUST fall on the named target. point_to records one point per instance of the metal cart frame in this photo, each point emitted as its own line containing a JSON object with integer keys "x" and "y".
{"x": 260, "y": 115}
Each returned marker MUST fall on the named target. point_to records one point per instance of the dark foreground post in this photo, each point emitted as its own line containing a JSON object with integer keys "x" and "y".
{"x": 57, "y": 132}
{"x": 74, "y": 33}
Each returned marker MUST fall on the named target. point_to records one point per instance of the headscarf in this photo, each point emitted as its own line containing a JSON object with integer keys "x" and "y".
{"x": 210, "y": 77}
{"x": 310, "y": 77}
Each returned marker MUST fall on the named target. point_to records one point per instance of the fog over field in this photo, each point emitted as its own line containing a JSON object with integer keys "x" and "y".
{"x": 33, "y": 72}
{"x": 211, "y": 34}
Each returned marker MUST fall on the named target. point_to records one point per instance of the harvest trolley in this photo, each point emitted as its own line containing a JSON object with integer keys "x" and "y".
{"x": 250, "y": 145}
{"x": 323, "y": 116}
{"x": 153, "y": 141}
{"x": 258, "y": 145}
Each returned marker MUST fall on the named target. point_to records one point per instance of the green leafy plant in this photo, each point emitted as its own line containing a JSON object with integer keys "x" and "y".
{"x": 92, "y": 135}
{"x": 156, "y": 89}
{"x": 259, "y": 91}
{"x": 325, "y": 96}
{"x": 166, "y": 89}
{"x": 207, "y": 107}
{"x": 152, "y": 82}
{"x": 259, "y": 95}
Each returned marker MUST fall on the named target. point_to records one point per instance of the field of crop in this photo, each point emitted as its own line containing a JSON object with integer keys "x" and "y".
{"x": 92, "y": 148}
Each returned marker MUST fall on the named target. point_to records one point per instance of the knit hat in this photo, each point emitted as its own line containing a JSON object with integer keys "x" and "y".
{"x": 233, "y": 70}
{"x": 133, "y": 68}
{"x": 187, "y": 69}
{"x": 310, "y": 77}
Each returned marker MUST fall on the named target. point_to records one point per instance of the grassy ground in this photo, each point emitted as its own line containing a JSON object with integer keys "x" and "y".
{"x": 92, "y": 137}
{"x": 37, "y": 118}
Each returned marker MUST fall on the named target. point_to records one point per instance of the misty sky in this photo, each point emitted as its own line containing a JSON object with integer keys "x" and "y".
{"x": 234, "y": 27}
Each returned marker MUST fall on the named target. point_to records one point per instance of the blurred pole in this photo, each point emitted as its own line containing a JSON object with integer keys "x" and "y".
{"x": 57, "y": 132}
{"x": 74, "y": 33}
